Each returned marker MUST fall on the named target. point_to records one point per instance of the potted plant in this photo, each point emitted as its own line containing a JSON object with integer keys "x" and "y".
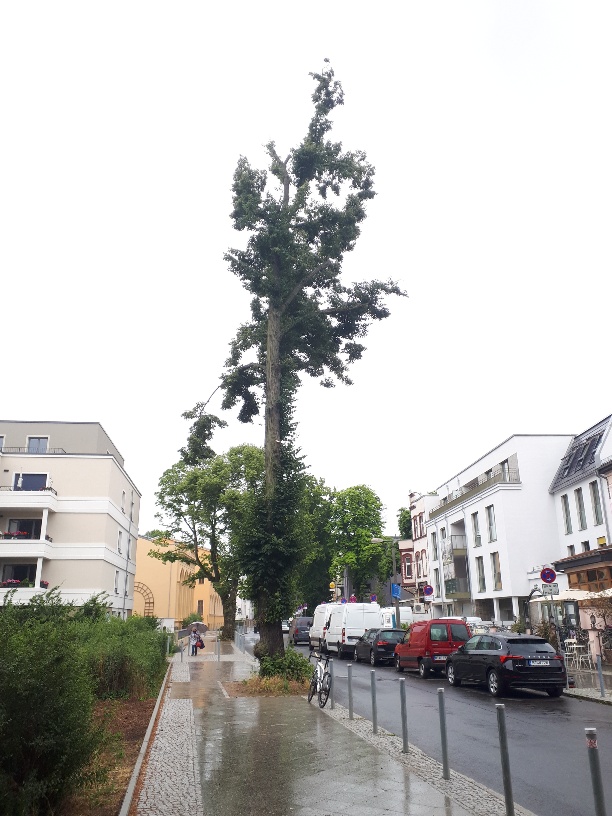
{"x": 44, "y": 584}
{"x": 11, "y": 583}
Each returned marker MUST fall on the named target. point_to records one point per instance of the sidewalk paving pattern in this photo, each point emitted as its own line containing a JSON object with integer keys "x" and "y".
{"x": 214, "y": 755}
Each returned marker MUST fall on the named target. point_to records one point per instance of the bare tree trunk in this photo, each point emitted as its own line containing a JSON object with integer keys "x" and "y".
{"x": 228, "y": 600}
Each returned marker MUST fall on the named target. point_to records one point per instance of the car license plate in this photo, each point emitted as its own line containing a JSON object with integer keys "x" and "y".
{"x": 439, "y": 657}
{"x": 539, "y": 662}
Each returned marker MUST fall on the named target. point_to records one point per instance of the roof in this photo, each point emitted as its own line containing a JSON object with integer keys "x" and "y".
{"x": 579, "y": 460}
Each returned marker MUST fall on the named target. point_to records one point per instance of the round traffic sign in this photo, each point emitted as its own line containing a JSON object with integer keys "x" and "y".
{"x": 428, "y": 590}
{"x": 548, "y": 575}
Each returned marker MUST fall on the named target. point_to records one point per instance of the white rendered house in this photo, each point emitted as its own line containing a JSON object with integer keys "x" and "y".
{"x": 494, "y": 522}
{"x": 68, "y": 513}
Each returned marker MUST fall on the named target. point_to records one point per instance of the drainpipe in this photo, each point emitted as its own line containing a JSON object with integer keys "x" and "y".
{"x": 127, "y": 557}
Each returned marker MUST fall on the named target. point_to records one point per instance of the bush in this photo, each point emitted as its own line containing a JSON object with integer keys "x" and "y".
{"x": 193, "y": 618}
{"x": 47, "y": 736}
{"x": 291, "y": 666}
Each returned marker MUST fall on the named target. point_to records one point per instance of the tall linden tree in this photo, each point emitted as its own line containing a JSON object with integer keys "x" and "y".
{"x": 302, "y": 216}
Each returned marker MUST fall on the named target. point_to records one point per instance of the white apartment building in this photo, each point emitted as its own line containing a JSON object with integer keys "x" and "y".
{"x": 494, "y": 522}
{"x": 68, "y": 513}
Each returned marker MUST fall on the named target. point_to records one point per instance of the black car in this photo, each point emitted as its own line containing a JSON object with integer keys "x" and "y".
{"x": 299, "y": 631}
{"x": 378, "y": 645}
{"x": 508, "y": 661}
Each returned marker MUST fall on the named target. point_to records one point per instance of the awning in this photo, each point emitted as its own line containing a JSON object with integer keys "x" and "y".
{"x": 566, "y": 595}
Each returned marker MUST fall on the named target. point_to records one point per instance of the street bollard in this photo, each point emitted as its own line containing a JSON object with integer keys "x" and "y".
{"x": 602, "y": 688}
{"x": 374, "y": 711}
{"x": 505, "y": 758}
{"x": 445, "y": 768}
{"x": 402, "y": 685}
{"x": 332, "y": 702}
{"x": 350, "y": 689}
{"x": 182, "y": 650}
{"x": 593, "y": 751}
{"x": 218, "y": 649}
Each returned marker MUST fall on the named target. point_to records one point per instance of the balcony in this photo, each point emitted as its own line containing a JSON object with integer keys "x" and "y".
{"x": 498, "y": 475}
{"x": 457, "y": 589}
{"x": 32, "y": 451}
{"x": 15, "y": 498}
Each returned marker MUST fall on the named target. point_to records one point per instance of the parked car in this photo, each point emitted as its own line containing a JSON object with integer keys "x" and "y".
{"x": 285, "y": 626}
{"x": 299, "y": 631}
{"x": 318, "y": 630}
{"x": 378, "y": 645}
{"x": 504, "y": 661}
{"x": 428, "y": 643}
{"x": 347, "y": 623}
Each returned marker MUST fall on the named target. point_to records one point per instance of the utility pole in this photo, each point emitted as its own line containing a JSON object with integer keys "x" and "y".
{"x": 398, "y": 621}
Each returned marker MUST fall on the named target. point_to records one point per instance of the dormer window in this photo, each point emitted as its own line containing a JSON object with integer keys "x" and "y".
{"x": 37, "y": 444}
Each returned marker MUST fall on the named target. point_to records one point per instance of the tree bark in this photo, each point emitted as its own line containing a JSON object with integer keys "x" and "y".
{"x": 272, "y": 449}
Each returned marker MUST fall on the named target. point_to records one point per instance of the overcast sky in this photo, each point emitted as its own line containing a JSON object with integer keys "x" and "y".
{"x": 489, "y": 124}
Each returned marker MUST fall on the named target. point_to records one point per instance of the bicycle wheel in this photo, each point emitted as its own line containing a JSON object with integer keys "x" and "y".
{"x": 325, "y": 689}
{"x": 313, "y": 686}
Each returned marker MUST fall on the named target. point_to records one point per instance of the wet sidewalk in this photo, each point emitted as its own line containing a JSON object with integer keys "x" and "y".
{"x": 216, "y": 755}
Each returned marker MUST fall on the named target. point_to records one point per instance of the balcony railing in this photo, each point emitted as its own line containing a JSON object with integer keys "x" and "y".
{"x": 498, "y": 475}
{"x": 452, "y": 546}
{"x": 32, "y": 452}
{"x": 24, "y": 537}
{"x": 25, "y": 490}
{"x": 456, "y": 587}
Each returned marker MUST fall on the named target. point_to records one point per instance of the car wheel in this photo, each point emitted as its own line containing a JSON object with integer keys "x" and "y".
{"x": 423, "y": 670}
{"x": 398, "y": 668}
{"x": 496, "y": 687}
{"x": 450, "y": 676}
{"x": 323, "y": 647}
{"x": 340, "y": 652}
{"x": 355, "y": 656}
{"x": 310, "y": 646}
{"x": 372, "y": 658}
{"x": 557, "y": 691}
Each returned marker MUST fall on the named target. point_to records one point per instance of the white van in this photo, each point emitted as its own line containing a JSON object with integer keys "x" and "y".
{"x": 320, "y": 621}
{"x": 387, "y": 616}
{"x": 348, "y": 623}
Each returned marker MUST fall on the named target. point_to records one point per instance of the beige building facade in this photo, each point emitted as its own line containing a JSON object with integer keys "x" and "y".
{"x": 68, "y": 513}
{"x": 160, "y": 591}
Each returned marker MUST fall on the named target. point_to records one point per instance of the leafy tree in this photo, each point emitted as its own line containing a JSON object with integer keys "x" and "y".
{"x": 357, "y": 528}
{"x": 404, "y": 521}
{"x": 302, "y": 217}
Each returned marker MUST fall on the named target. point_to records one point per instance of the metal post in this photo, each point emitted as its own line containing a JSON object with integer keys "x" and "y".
{"x": 602, "y": 688}
{"x": 350, "y": 689}
{"x": 593, "y": 751}
{"x": 505, "y": 758}
{"x": 374, "y": 710}
{"x": 332, "y": 702}
{"x": 402, "y": 685}
{"x": 398, "y": 621}
{"x": 445, "y": 768}
{"x": 218, "y": 649}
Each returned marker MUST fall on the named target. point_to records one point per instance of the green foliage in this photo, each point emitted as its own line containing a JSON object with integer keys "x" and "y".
{"x": 193, "y": 618}
{"x": 290, "y": 666}
{"x": 545, "y": 630}
{"x": 47, "y": 735}
{"x": 404, "y": 521}
{"x": 356, "y": 521}
{"x": 519, "y": 626}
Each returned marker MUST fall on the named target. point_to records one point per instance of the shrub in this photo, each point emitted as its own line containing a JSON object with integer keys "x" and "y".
{"x": 47, "y": 735}
{"x": 193, "y": 618}
{"x": 291, "y": 666}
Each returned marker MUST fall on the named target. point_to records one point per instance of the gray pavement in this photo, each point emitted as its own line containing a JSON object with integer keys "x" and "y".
{"x": 216, "y": 755}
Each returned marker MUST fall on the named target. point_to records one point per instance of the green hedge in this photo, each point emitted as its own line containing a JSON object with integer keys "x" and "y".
{"x": 55, "y": 661}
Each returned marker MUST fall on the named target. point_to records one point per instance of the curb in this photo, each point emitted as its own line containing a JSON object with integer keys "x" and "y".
{"x": 129, "y": 794}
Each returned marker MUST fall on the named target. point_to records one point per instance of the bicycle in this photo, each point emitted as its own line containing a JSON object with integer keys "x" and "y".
{"x": 320, "y": 683}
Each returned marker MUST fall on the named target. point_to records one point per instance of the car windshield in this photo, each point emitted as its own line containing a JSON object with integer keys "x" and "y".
{"x": 392, "y": 636}
{"x": 527, "y": 646}
{"x": 459, "y": 632}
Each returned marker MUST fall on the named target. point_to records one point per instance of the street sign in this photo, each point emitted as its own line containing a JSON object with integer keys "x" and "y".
{"x": 373, "y": 598}
{"x": 550, "y": 589}
{"x": 428, "y": 590}
{"x": 396, "y": 591}
{"x": 548, "y": 575}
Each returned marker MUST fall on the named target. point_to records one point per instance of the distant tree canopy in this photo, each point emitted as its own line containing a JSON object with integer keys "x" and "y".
{"x": 404, "y": 522}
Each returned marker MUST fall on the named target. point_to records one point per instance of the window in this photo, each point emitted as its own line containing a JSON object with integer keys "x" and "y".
{"x": 1, "y": 442}
{"x": 417, "y": 559}
{"x": 442, "y": 532}
{"x": 201, "y": 609}
{"x": 37, "y": 444}
{"x": 580, "y": 509}
{"x": 24, "y": 528}
{"x": 488, "y": 474}
{"x": 596, "y": 503}
{"x": 434, "y": 546}
{"x": 571, "y": 550}
{"x": 496, "y": 570}
{"x": 476, "y": 530}
{"x": 30, "y": 481}
{"x": 119, "y": 537}
{"x": 601, "y": 541}
{"x": 116, "y": 582}
{"x": 482, "y": 584}
{"x": 586, "y": 547}
{"x": 123, "y": 502}
{"x": 567, "y": 518}
{"x": 505, "y": 471}
{"x": 127, "y": 584}
{"x": 438, "y": 632}
{"x": 129, "y": 547}
{"x": 437, "y": 582}
{"x": 424, "y": 562}
{"x": 408, "y": 566}
{"x": 491, "y": 523}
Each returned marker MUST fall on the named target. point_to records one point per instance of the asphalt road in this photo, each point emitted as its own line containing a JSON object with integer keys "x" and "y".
{"x": 548, "y": 756}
